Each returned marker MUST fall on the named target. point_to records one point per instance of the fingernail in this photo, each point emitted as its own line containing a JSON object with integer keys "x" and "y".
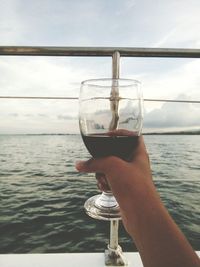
{"x": 79, "y": 165}
{"x": 100, "y": 186}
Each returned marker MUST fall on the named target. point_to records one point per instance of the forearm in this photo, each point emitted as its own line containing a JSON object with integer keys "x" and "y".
{"x": 157, "y": 237}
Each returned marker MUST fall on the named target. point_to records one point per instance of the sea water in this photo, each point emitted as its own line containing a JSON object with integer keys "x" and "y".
{"x": 42, "y": 195}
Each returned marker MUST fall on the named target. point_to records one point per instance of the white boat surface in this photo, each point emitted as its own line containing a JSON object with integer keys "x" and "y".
{"x": 65, "y": 260}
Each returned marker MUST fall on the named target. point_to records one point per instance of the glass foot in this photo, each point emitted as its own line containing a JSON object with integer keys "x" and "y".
{"x": 103, "y": 207}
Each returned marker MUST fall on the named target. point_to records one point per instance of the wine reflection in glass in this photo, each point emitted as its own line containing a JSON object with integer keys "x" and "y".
{"x": 110, "y": 120}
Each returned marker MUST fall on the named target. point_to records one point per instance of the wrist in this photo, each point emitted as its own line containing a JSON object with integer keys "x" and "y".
{"x": 143, "y": 205}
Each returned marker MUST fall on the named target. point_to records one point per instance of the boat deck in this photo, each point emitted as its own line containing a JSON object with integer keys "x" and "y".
{"x": 64, "y": 260}
{"x": 58, "y": 260}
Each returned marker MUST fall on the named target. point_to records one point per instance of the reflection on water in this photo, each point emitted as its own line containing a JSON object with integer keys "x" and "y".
{"x": 42, "y": 195}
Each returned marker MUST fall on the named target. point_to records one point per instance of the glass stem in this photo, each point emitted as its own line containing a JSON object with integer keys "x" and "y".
{"x": 106, "y": 200}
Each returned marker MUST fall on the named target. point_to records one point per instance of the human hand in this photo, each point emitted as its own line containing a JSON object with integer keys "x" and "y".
{"x": 127, "y": 180}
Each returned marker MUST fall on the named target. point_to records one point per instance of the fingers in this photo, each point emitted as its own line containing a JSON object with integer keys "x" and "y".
{"x": 113, "y": 164}
{"x": 140, "y": 151}
{"x": 140, "y": 148}
{"x": 102, "y": 182}
{"x": 102, "y": 165}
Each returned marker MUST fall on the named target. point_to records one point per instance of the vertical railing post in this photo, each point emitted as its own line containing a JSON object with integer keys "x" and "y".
{"x": 114, "y": 224}
{"x": 113, "y": 255}
{"x": 115, "y": 65}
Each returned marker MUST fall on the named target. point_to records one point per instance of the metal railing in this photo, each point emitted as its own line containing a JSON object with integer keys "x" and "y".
{"x": 97, "y": 52}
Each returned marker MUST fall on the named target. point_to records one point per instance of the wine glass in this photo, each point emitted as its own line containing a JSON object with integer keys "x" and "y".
{"x": 110, "y": 121}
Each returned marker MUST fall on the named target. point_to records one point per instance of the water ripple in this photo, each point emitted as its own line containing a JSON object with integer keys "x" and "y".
{"x": 42, "y": 195}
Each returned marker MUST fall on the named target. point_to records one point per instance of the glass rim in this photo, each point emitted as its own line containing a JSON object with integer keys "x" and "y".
{"x": 91, "y": 82}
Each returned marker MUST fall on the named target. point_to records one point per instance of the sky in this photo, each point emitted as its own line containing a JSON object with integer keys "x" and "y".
{"x": 127, "y": 23}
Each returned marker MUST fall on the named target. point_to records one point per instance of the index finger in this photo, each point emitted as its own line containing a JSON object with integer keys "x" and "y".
{"x": 139, "y": 151}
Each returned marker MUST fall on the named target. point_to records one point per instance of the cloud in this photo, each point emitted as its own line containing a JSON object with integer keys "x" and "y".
{"x": 44, "y": 76}
{"x": 83, "y": 22}
{"x": 163, "y": 41}
{"x": 11, "y": 25}
{"x": 66, "y": 117}
{"x": 173, "y": 115}
{"x": 37, "y": 124}
{"x": 13, "y": 114}
{"x": 165, "y": 78}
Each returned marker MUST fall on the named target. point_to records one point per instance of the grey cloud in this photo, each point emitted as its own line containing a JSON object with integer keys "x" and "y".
{"x": 173, "y": 115}
{"x": 29, "y": 115}
{"x": 42, "y": 115}
{"x": 13, "y": 114}
{"x": 65, "y": 117}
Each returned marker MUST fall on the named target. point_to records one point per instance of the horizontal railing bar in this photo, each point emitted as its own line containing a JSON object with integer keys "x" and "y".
{"x": 173, "y": 101}
{"x": 98, "y": 51}
{"x": 40, "y": 97}
{"x": 76, "y": 98}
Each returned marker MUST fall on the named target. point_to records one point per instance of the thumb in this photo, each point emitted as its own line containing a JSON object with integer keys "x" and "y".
{"x": 104, "y": 165}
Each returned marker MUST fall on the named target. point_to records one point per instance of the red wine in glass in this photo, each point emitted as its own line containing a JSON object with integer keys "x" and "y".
{"x": 102, "y": 145}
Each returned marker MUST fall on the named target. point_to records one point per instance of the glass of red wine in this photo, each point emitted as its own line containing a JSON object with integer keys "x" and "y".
{"x": 110, "y": 120}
